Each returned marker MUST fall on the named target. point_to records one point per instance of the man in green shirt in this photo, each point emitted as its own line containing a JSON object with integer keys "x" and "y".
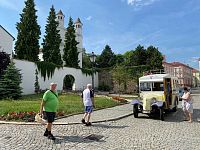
{"x": 48, "y": 108}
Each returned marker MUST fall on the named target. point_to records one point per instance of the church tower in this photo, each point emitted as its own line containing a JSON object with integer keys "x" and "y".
{"x": 78, "y": 31}
{"x": 60, "y": 19}
{"x": 79, "y": 39}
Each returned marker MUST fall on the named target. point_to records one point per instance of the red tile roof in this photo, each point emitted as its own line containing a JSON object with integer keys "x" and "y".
{"x": 177, "y": 64}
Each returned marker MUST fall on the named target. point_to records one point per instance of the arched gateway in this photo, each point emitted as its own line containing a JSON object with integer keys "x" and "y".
{"x": 69, "y": 83}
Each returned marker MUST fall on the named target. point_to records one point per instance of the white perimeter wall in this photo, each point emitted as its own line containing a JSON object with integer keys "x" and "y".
{"x": 28, "y": 77}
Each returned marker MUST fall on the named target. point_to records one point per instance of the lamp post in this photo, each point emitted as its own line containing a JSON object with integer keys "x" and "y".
{"x": 92, "y": 59}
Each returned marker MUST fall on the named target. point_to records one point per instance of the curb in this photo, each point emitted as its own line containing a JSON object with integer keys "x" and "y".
{"x": 60, "y": 123}
{"x": 66, "y": 123}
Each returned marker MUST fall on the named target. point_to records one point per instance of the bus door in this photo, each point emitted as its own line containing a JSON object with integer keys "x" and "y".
{"x": 168, "y": 91}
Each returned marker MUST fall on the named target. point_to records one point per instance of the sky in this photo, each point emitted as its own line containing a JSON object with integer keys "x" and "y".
{"x": 173, "y": 26}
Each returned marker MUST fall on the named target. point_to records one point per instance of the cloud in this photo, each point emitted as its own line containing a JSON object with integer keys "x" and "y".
{"x": 15, "y": 5}
{"x": 194, "y": 59}
{"x": 140, "y": 3}
{"x": 89, "y": 18}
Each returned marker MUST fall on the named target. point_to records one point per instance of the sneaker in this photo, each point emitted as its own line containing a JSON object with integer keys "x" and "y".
{"x": 83, "y": 121}
{"x": 88, "y": 124}
{"x": 50, "y": 136}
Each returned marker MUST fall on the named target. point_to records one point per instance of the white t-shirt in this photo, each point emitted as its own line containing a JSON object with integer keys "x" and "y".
{"x": 87, "y": 97}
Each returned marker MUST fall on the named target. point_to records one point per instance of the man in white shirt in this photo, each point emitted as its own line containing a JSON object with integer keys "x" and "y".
{"x": 88, "y": 101}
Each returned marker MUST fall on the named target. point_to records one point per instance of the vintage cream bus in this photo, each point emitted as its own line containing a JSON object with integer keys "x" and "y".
{"x": 158, "y": 95}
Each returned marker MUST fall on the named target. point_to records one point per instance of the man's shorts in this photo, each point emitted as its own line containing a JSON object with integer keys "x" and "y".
{"x": 88, "y": 109}
{"x": 49, "y": 116}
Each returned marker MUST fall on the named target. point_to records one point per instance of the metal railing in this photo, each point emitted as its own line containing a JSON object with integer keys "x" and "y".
{"x": 157, "y": 71}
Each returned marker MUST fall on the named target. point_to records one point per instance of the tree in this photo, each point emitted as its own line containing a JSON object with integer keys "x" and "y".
{"x": 4, "y": 62}
{"x": 70, "y": 55}
{"x": 52, "y": 40}
{"x": 86, "y": 61}
{"x": 36, "y": 85}
{"x": 154, "y": 58}
{"x": 10, "y": 83}
{"x": 135, "y": 57}
{"x": 128, "y": 61}
{"x": 107, "y": 58}
{"x": 140, "y": 56}
{"x": 27, "y": 44}
{"x": 119, "y": 59}
{"x": 120, "y": 76}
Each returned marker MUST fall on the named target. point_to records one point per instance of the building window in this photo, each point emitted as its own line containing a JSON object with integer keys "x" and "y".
{"x": 60, "y": 17}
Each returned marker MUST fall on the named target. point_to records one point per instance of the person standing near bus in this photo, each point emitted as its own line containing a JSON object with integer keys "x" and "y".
{"x": 187, "y": 105}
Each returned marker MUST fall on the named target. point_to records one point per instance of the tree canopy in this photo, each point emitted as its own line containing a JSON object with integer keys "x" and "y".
{"x": 107, "y": 58}
{"x": 52, "y": 40}
{"x": 27, "y": 43}
{"x": 154, "y": 58}
{"x": 4, "y": 62}
{"x": 70, "y": 55}
{"x": 10, "y": 83}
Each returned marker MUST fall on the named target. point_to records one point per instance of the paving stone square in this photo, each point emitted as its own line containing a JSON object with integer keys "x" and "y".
{"x": 127, "y": 133}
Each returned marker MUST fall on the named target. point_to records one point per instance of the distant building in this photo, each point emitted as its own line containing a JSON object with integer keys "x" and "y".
{"x": 6, "y": 41}
{"x": 180, "y": 70}
{"x": 196, "y": 78}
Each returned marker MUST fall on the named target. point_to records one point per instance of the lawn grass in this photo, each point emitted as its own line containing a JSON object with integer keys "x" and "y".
{"x": 69, "y": 103}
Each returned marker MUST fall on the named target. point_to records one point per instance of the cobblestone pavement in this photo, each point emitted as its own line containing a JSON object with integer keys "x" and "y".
{"x": 128, "y": 133}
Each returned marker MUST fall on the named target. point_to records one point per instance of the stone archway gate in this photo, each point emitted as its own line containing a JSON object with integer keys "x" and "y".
{"x": 28, "y": 77}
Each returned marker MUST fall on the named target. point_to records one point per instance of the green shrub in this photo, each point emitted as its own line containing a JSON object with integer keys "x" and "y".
{"x": 104, "y": 87}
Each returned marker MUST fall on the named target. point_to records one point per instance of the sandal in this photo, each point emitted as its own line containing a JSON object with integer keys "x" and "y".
{"x": 185, "y": 119}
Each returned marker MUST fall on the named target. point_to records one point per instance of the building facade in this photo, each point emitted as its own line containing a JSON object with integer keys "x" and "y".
{"x": 196, "y": 78}
{"x": 180, "y": 70}
{"x": 6, "y": 41}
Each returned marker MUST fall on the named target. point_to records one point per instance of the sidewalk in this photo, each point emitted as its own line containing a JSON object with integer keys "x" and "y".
{"x": 108, "y": 114}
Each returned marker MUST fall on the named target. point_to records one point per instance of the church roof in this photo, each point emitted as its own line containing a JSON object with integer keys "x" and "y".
{"x": 60, "y": 12}
{"x": 78, "y": 21}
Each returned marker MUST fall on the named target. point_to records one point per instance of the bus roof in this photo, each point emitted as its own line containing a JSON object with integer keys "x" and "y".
{"x": 155, "y": 78}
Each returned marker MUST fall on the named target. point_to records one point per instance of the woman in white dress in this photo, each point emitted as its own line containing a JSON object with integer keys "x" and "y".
{"x": 187, "y": 104}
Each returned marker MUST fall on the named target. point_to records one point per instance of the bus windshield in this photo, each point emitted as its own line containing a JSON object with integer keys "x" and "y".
{"x": 145, "y": 86}
{"x": 155, "y": 86}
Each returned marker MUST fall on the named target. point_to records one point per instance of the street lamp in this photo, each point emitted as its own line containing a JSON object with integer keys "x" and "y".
{"x": 92, "y": 59}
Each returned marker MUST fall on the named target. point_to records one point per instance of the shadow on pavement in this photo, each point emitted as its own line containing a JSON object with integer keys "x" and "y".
{"x": 78, "y": 139}
{"x": 179, "y": 116}
{"x": 108, "y": 126}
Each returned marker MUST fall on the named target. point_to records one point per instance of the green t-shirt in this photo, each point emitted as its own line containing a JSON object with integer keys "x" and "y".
{"x": 51, "y": 101}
